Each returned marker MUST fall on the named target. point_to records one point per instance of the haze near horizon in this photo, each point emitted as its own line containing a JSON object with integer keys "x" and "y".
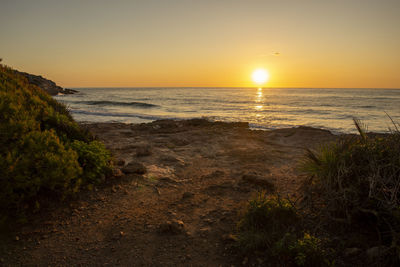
{"x": 310, "y": 43}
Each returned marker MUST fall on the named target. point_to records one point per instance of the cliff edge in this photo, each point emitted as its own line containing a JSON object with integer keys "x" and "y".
{"x": 47, "y": 85}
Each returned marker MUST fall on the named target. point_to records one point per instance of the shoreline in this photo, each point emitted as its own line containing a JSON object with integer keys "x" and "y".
{"x": 251, "y": 126}
{"x": 262, "y": 109}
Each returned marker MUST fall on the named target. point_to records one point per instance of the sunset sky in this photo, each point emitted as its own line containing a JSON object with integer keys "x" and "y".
{"x": 302, "y": 43}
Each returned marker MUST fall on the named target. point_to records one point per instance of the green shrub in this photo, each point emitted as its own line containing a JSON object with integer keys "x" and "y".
{"x": 94, "y": 159}
{"x": 43, "y": 151}
{"x": 38, "y": 163}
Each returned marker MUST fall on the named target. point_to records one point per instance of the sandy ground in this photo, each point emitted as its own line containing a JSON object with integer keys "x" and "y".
{"x": 182, "y": 211}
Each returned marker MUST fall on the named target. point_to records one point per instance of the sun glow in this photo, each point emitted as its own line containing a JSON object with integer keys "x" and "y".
{"x": 260, "y": 76}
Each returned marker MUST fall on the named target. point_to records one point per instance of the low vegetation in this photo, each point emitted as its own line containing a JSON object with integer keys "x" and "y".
{"x": 272, "y": 230}
{"x": 43, "y": 151}
{"x": 351, "y": 198}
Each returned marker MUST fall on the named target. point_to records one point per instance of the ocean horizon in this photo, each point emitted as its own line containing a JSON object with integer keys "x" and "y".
{"x": 264, "y": 108}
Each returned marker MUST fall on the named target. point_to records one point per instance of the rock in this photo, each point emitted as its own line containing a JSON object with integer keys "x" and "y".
{"x": 134, "y": 167}
{"x": 229, "y": 238}
{"x": 350, "y": 252}
{"x": 258, "y": 180}
{"x": 172, "y": 227}
{"x": 46, "y": 85}
{"x": 68, "y": 91}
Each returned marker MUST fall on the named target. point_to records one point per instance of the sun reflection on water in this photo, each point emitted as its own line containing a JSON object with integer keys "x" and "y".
{"x": 258, "y": 100}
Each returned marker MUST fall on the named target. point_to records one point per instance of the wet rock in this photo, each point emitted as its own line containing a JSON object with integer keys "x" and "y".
{"x": 172, "y": 227}
{"x": 134, "y": 167}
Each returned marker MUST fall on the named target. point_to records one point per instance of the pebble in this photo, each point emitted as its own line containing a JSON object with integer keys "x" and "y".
{"x": 173, "y": 227}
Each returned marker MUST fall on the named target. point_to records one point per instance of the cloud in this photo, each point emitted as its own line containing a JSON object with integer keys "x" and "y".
{"x": 276, "y": 53}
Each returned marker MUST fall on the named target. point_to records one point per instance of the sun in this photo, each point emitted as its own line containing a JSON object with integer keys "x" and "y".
{"x": 260, "y": 76}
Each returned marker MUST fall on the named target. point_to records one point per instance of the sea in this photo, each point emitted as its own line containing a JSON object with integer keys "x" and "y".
{"x": 262, "y": 108}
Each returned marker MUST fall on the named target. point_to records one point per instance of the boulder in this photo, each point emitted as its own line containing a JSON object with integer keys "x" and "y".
{"x": 134, "y": 167}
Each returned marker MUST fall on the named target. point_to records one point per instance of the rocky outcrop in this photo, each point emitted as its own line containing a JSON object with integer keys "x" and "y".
{"x": 49, "y": 86}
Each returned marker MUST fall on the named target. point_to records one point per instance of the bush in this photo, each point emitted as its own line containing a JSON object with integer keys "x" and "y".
{"x": 355, "y": 184}
{"x": 94, "y": 159}
{"x": 43, "y": 151}
{"x": 272, "y": 230}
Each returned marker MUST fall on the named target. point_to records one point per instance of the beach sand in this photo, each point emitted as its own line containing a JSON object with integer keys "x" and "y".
{"x": 175, "y": 197}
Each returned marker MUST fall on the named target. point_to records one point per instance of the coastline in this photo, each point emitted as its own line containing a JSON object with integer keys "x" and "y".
{"x": 332, "y": 110}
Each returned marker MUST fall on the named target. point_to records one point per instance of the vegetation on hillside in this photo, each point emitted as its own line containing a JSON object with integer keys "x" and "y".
{"x": 43, "y": 151}
{"x": 351, "y": 198}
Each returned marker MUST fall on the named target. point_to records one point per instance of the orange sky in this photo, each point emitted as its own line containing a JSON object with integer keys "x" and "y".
{"x": 302, "y": 43}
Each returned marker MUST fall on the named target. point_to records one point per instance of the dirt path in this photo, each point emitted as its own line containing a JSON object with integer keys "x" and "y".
{"x": 181, "y": 212}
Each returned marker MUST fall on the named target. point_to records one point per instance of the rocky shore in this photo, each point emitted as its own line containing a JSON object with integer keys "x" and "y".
{"x": 174, "y": 199}
{"x": 47, "y": 85}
